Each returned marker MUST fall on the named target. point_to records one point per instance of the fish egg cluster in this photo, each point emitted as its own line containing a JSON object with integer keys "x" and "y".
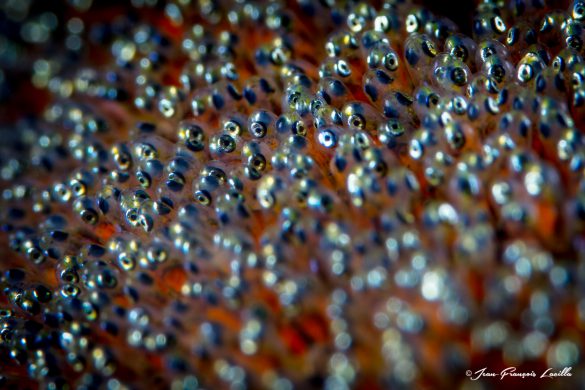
{"x": 290, "y": 194}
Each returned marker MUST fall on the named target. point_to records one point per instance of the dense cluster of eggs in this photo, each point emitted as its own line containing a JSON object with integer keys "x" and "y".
{"x": 303, "y": 194}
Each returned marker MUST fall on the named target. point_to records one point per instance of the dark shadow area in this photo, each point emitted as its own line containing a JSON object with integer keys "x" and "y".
{"x": 459, "y": 11}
